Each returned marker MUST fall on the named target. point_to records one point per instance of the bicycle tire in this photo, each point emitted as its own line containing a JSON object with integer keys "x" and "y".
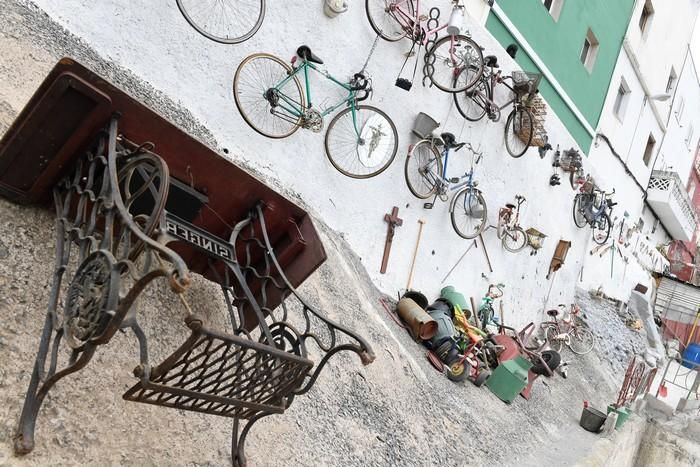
{"x": 258, "y": 86}
{"x": 579, "y": 218}
{"x": 483, "y": 214}
{"x": 519, "y": 240}
{"x": 605, "y": 231}
{"x": 199, "y": 25}
{"x": 387, "y": 18}
{"x": 551, "y": 332}
{"x": 433, "y": 165}
{"x": 474, "y": 106}
{"x": 582, "y": 336}
{"x": 475, "y": 63}
{"x": 522, "y": 117}
{"x": 391, "y": 144}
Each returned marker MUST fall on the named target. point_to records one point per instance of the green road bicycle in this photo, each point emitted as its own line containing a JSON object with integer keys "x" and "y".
{"x": 361, "y": 140}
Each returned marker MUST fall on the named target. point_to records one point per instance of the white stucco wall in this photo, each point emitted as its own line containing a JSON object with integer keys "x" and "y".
{"x": 153, "y": 40}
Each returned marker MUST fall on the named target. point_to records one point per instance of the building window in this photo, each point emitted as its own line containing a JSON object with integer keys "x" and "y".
{"x": 645, "y": 18}
{"x": 689, "y": 136}
{"x": 553, "y": 7}
{"x": 621, "y": 99}
{"x": 589, "y": 51}
{"x": 649, "y": 150}
{"x": 671, "y": 83}
{"x": 679, "y": 109}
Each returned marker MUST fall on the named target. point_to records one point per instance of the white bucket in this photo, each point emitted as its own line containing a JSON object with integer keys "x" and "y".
{"x": 454, "y": 26}
{"x": 333, "y": 8}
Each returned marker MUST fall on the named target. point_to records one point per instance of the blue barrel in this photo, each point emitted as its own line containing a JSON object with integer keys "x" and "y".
{"x": 691, "y": 356}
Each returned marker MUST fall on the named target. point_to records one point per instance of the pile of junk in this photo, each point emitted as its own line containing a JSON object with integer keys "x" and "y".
{"x": 475, "y": 346}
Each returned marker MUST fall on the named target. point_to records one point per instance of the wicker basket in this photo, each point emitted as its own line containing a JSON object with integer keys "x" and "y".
{"x": 525, "y": 83}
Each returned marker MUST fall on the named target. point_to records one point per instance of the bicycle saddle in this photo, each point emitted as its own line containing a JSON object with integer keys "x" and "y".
{"x": 553, "y": 313}
{"x": 491, "y": 61}
{"x": 450, "y": 141}
{"x": 510, "y": 206}
{"x": 305, "y": 52}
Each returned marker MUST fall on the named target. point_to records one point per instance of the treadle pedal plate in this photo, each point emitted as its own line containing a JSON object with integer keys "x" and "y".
{"x": 223, "y": 375}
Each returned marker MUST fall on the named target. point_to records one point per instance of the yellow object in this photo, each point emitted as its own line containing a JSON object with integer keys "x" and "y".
{"x": 692, "y": 330}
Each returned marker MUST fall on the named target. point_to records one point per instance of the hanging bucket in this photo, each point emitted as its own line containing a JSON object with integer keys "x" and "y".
{"x": 333, "y": 8}
{"x": 424, "y": 125}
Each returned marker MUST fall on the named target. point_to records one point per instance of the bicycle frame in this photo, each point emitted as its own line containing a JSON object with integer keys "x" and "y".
{"x": 596, "y": 212}
{"x": 493, "y": 80}
{"x": 297, "y": 108}
{"x": 409, "y": 22}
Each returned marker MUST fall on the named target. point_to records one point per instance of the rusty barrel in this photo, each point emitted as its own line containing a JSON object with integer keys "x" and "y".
{"x": 420, "y": 323}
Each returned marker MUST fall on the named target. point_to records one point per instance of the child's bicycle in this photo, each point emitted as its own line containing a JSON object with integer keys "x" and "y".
{"x": 471, "y": 363}
{"x": 487, "y": 315}
{"x": 361, "y": 140}
{"x": 567, "y": 331}
{"x": 512, "y": 236}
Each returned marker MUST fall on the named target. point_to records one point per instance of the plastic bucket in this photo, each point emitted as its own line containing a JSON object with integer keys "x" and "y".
{"x": 424, "y": 125}
{"x": 691, "y": 356}
{"x": 592, "y": 419}
{"x": 333, "y": 8}
{"x": 622, "y": 415}
{"x": 455, "y": 298}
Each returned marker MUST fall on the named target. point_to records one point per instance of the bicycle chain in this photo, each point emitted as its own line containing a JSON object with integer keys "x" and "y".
{"x": 428, "y": 58}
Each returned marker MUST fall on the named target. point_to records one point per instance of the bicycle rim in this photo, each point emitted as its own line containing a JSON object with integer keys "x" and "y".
{"x": 385, "y": 22}
{"x": 518, "y": 131}
{"x": 422, "y": 170}
{"x": 581, "y": 340}
{"x": 224, "y": 21}
{"x": 601, "y": 230}
{"x": 551, "y": 333}
{"x": 579, "y": 218}
{"x": 368, "y": 154}
{"x": 468, "y": 213}
{"x": 514, "y": 240}
{"x": 449, "y": 58}
{"x": 472, "y": 103}
{"x": 257, "y": 75}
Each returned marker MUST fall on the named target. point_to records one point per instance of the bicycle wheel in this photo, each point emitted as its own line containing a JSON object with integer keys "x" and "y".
{"x": 581, "y": 340}
{"x": 361, "y": 141}
{"x": 601, "y": 229}
{"x": 423, "y": 169}
{"x": 449, "y": 58}
{"x": 515, "y": 239}
{"x": 503, "y": 220}
{"x": 383, "y": 19}
{"x": 468, "y": 213}
{"x": 551, "y": 332}
{"x": 473, "y": 102}
{"x": 263, "y": 103}
{"x": 518, "y": 131}
{"x": 224, "y": 21}
{"x": 579, "y": 218}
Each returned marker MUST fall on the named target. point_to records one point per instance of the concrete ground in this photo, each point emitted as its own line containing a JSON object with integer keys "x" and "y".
{"x": 397, "y": 411}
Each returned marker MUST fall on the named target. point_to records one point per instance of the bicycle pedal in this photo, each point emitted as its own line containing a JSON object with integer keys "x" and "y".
{"x": 427, "y": 205}
{"x": 454, "y": 180}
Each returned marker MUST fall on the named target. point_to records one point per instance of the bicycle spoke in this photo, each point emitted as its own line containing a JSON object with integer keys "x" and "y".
{"x": 362, "y": 148}
{"x": 422, "y": 170}
{"x": 468, "y": 214}
{"x": 385, "y": 20}
{"x": 257, "y": 87}
{"x": 226, "y": 21}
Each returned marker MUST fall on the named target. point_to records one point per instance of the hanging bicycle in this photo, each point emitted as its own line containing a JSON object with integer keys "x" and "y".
{"x": 568, "y": 331}
{"x": 224, "y": 21}
{"x": 361, "y": 140}
{"x": 512, "y": 236}
{"x": 426, "y": 176}
{"x": 477, "y": 102}
{"x": 454, "y": 63}
{"x": 593, "y": 207}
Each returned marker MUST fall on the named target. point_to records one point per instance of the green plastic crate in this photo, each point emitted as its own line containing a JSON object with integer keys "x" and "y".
{"x": 509, "y": 378}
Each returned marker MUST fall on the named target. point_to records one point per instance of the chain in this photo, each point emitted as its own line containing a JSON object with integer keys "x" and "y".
{"x": 371, "y": 52}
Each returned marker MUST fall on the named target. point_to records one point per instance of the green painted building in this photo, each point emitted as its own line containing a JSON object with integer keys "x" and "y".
{"x": 575, "y": 44}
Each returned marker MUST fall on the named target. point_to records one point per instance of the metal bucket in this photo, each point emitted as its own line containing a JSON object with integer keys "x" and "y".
{"x": 420, "y": 299}
{"x": 420, "y": 323}
{"x": 592, "y": 420}
{"x": 424, "y": 125}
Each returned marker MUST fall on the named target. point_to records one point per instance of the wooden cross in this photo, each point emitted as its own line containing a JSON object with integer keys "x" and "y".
{"x": 393, "y": 221}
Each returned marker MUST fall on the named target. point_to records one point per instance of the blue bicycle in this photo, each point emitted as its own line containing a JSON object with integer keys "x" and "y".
{"x": 426, "y": 175}
{"x": 593, "y": 207}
